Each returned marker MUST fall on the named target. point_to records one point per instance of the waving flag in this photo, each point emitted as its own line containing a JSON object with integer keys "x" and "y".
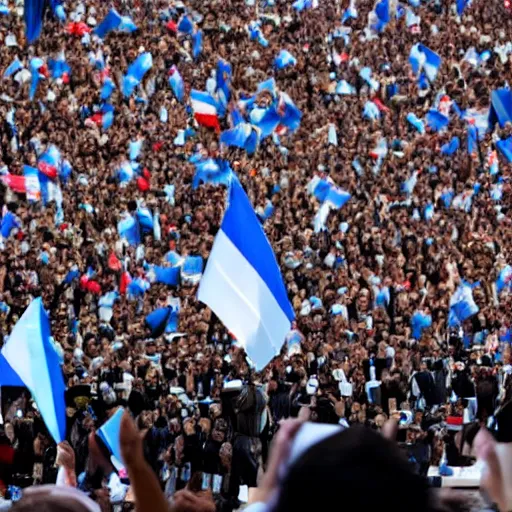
{"x": 177, "y": 84}
{"x": 419, "y": 322}
{"x": 128, "y": 228}
{"x": 111, "y": 22}
{"x": 136, "y": 72}
{"x": 462, "y": 306}
{"x": 214, "y": 172}
{"x": 166, "y": 275}
{"x": 34, "y": 14}
{"x": 501, "y": 107}
{"x": 192, "y": 269}
{"x": 31, "y": 354}
{"x": 461, "y": 5}
{"x": 504, "y": 279}
{"x": 436, "y": 121}
{"x": 505, "y": 147}
{"x": 424, "y": 59}
{"x": 243, "y": 135}
{"x": 284, "y": 59}
{"x": 35, "y": 65}
{"x": 197, "y": 44}
{"x": 163, "y": 320}
{"x": 205, "y": 109}
{"x": 127, "y": 25}
{"x": 58, "y": 67}
{"x": 289, "y": 113}
{"x": 417, "y": 123}
{"x": 8, "y": 377}
{"x": 110, "y": 434}
{"x": 185, "y": 25}
{"x": 450, "y": 147}
{"x": 382, "y": 10}
{"x": 13, "y": 68}
{"x": 242, "y": 283}
{"x": 32, "y": 185}
{"x": 223, "y": 78}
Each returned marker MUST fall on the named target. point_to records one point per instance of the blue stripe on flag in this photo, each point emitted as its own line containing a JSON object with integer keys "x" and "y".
{"x": 242, "y": 227}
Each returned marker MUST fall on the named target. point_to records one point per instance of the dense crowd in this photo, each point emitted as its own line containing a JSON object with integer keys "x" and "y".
{"x": 371, "y": 286}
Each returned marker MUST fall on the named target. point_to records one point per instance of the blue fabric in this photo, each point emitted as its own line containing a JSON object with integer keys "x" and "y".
{"x": 210, "y": 171}
{"x": 197, "y": 44}
{"x": 223, "y": 77}
{"x": 382, "y": 11}
{"x": 58, "y": 67}
{"x": 451, "y": 147}
{"x": 185, "y": 25}
{"x": 13, "y": 68}
{"x": 34, "y": 14}
{"x": 145, "y": 219}
{"x": 136, "y": 71}
{"x": 242, "y": 227}
{"x": 501, "y": 107}
{"x": 461, "y": 5}
{"x": 243, "y": 136}
{"x": 8, "y": 377}
{"x": 111, "y": 21}
{"x": 35, "y": 64}
{"x": 505, "y": 147}
{"x": 110, "y": 434}
{"x": 162, "y": 320}
{"x": 177, "y": 84}
{"x": 193, "y": 265}
{"x": 419, "y": 322}
{"x": 107, "y": 89}
{"x": 129, "y": 228}
{"x": 436, "y": 121}
{"x": 166, "y": 275}
{"x": 9, "y": 222}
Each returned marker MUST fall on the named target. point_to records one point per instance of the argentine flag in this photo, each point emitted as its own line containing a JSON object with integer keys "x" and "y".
{"x": 110, "y": 434}
{"x": 242, "y": 283}
{"x": 32, "y": 356}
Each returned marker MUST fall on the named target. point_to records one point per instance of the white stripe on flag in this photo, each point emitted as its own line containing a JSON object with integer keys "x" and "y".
{"x": 241, "y": 299}
{"x": 200, "y": 107}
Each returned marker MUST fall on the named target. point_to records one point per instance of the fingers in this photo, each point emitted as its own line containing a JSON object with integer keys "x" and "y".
{"x": 390, "y": 430}
{"x": 281, "y": 448}
{"x": 491, "y": 481}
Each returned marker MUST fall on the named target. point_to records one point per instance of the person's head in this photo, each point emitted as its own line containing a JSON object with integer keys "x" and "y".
{"x": 358, "y": 463}
{"x": 52, "y": 498}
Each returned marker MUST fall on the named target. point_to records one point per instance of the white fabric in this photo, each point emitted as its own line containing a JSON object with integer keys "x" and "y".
{"x": 242, "y": 300}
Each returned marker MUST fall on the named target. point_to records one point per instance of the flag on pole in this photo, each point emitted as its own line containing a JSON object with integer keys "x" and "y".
{"x": 242, "y": 282}
{"x": 31, "y": 355}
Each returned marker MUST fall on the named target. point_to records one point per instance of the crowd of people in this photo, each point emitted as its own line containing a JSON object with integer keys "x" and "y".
{"x": 377, "y": 285}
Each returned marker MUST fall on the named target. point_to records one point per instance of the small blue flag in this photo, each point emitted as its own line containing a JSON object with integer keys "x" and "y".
{"x": 111, "y": 22}
{"x": 177, "y": 84}
{"x": 451, "y": 147}
{"x": 505, "y": 147}
{"x": 284, "y": 59}
{"x": 13, "y": 68}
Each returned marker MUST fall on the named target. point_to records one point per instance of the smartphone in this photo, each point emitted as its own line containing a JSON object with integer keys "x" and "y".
{"x": 217, "y": 484}
{"x": 206, "y": 482}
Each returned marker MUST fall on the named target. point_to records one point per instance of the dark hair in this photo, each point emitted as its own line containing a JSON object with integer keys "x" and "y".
{"x": 356, "y": 467}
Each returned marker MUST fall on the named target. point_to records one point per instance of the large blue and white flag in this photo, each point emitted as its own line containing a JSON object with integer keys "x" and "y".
{"x": 242, "y": 283}
{"x": 31, "y": 354}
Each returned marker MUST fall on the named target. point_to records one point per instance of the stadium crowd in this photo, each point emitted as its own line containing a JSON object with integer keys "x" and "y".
{"x": 401, "y": 295}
